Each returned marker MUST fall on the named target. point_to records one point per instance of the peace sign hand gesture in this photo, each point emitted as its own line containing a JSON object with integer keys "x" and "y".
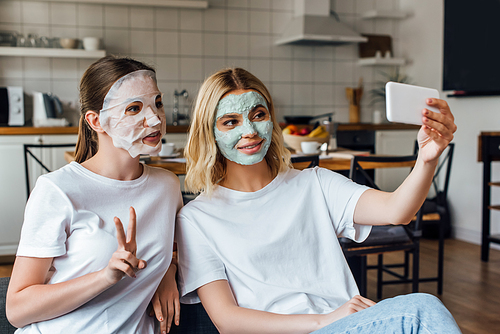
{"x": 124, "y": 261}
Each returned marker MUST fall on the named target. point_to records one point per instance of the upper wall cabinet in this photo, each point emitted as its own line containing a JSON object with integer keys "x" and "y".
{"x": 193, "y": 4}
{"x": 384, "y": 14}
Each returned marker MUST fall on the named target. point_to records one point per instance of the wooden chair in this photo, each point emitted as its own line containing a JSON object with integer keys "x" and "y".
{"x": 436, "y": 219}
{"x": 383, "y": 239}
{"x": 300, "y": 161}
{"x": 29, "y": 153}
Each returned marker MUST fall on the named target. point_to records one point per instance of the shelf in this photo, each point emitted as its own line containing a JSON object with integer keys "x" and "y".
{"x": 377, "y": 61}
{"x": 192, "y": 4}
{"x": 384, "y": 14}
{"x": 494, "y": 207}
{"x": 48, "y": 52}
{"x": 494, "y": 184}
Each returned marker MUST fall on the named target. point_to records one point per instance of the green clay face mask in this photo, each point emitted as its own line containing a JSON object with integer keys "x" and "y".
{"x": 242, "y": 104}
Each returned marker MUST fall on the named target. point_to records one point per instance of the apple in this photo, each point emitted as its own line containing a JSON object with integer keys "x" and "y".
{"x": 304, "y": 131}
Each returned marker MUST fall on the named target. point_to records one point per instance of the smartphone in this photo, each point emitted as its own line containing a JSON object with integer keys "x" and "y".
{"x": 404, "y": 103}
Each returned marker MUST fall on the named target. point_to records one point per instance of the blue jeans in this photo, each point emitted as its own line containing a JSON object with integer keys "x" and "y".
{"x": 413, "y": 313}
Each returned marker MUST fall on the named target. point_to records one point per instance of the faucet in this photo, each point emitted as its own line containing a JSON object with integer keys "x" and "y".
{"x": 176, "y": 115}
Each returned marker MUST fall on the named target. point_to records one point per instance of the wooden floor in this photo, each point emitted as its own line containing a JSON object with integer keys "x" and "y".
{"x": 471, "y": 287}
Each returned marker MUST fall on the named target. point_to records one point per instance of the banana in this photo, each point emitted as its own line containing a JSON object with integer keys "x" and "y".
{"x": 320, "y": 131}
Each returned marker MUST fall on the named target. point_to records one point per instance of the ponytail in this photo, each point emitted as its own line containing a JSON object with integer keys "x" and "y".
{"x": 86, "y": 145}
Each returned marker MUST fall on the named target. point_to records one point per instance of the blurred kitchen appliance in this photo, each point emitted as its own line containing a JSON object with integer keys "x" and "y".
{"x": 177, "y": 117}
{"x": 11, "y": 106}
{"x": 8, "y": 38}
{"x": 302, "y": 119}
{"x": 47, "y": 109}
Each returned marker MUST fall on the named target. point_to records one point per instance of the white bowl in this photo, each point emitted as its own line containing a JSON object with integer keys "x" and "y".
{"x": 294, "y": 141}
{"x": 91, "y": 43}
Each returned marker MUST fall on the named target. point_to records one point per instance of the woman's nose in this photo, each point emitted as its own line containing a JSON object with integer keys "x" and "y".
{"x": 248, "y": 130}
{"x": 151, "y": 119}
{"x": 249, "y": 134}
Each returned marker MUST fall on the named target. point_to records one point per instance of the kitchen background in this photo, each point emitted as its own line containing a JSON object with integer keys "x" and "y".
{"x": 187, "y": 45}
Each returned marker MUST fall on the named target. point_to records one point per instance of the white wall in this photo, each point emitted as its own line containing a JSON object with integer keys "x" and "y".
{"x": 422, "y": 42}
{"x": 187, "y": 45}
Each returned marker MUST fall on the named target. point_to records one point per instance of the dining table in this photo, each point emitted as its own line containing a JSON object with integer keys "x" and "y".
{"x": 338, "y": 160}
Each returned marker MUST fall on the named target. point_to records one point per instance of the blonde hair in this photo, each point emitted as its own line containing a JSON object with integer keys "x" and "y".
{"x": 204, "y": 163}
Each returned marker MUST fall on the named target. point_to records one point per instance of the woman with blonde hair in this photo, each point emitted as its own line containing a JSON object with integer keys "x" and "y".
{"x": 76, "y": 269}
{"x": 259, "y": 245}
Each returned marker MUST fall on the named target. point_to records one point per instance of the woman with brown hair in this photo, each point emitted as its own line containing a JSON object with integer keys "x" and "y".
{"x": 76, "y": 269}
{"x": 259, "y": 245}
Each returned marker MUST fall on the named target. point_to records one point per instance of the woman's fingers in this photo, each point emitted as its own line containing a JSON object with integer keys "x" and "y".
{"x": 360, "y": 303}
{"x": 131, "y": 226}
{"x": 120, "y": 233}
{"x": 177, "y": 308}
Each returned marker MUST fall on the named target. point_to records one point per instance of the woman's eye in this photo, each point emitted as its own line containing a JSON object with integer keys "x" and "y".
{"x": 159, "y": 104}
{"x": 133, "y": 109}
{"x": 230, "y": 122}
{"x": 260, "y": 115}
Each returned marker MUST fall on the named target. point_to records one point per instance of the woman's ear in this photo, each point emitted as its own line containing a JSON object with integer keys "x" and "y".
{"x": 92, "y": 119}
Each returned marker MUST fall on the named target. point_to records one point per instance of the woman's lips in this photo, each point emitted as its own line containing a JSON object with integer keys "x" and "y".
{"x": 250, "y": 148}
{"x": 152, "y": 139}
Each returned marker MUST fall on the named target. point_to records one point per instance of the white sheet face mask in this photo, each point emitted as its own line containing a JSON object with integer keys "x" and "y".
{"x": 133, "y": 100}
{"x": 226, "y": 141}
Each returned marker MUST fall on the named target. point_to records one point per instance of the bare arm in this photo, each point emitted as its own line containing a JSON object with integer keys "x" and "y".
{"x": 228, "y": 317}
{"x": 28, "y": 282}
{"x": 399, "y": 207}
{"x": 166, "y": 305}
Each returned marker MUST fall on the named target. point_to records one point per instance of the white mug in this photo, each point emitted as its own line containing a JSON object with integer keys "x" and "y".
{"x": 167, "y": 149}
{"x": 91, "y": 43}
{"x": 310, "y": 147}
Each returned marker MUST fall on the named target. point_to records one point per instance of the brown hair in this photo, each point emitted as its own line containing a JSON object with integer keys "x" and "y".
{"x": 94, "y": 85}
{"x": 205, "y": 164}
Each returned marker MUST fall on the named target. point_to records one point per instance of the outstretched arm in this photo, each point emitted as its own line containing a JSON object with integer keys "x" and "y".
{"x": 218, "y": 300}
{"x": 399, "y": 207}
{"x": 28, "y": 282}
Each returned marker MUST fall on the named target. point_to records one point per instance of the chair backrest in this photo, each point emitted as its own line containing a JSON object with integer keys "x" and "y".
{"x": 5, "y": 326}
{"x": 29, "y": 153}
{"x": 443, "y": 170}
{"x": 312, "y": 159}
{"x": 359, "y": 165}
{"x": 358, "y": 173}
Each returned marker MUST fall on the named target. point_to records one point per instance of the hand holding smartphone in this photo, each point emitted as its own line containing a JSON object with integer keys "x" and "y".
{"x": 404, "y": 103}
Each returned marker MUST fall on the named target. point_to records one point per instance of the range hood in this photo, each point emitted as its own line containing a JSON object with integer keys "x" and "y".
{"x": 314, "y": 25}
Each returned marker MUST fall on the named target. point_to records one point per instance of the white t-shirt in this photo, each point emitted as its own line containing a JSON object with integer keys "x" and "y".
{"x": 277, "y": 247}
{"x": 69, "y": 216}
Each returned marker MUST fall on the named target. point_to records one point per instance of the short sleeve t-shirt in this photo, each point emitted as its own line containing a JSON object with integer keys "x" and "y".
{"x": 69, "y": 217}
{"x": 277, "y": 247}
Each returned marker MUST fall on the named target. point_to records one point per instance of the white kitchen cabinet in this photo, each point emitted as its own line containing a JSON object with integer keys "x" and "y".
{"x": 13, "y": 180}
{"x": 393, "y": 142}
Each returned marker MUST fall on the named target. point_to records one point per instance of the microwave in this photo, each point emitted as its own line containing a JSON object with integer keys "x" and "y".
{"x": 11, "y": 106}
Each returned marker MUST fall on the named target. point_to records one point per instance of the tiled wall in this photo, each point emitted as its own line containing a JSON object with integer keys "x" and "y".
{"x": 186, "y": 45}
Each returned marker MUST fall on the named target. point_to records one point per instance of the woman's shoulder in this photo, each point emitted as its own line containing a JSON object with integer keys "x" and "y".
{"x": 161, "y": 173}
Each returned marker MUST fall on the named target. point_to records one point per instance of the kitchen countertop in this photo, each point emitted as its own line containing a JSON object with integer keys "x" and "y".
{"x": 29, "y": 130}
{"x": 67, "y": 130}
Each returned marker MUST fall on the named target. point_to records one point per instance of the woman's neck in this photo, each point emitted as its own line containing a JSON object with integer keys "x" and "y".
{"x": 247, "y": 178}
{"x": 114, "y": 163}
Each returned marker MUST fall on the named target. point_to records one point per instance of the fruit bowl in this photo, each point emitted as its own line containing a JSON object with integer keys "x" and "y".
{"x": 293, "y": 141}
